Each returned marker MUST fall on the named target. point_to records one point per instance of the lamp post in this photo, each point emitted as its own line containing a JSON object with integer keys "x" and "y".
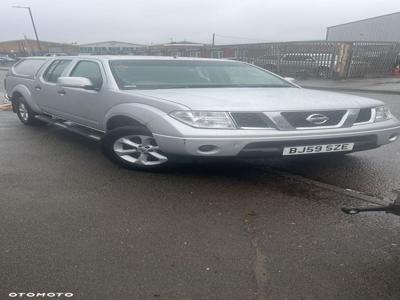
{"x": 33, "y": 24}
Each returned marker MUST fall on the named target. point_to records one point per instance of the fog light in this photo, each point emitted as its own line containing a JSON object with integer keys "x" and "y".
{"x": 208, "y": 148}
{"x": 393, "y": 137}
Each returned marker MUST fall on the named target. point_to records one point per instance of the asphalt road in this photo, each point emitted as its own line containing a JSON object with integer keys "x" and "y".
{"x": 71, "y": 221}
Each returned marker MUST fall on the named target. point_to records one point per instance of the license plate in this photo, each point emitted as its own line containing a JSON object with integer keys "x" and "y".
{"x": 312, "y": 149}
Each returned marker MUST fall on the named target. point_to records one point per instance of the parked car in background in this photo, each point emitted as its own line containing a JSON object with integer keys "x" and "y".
{"x": 5, "y": 60}
{"x": 56, "y": 54}
{"x": 147, "y": 111}
{"x": 296, "y": 64}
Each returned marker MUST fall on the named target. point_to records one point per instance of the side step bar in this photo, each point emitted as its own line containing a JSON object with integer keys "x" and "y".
{"x": 72, "y": 127}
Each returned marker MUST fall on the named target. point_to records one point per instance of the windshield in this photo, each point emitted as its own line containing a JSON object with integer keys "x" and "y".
{"x": 161, "y": 74}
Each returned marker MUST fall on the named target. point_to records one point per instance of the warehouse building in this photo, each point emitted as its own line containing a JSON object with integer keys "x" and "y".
{"x": 182, "y": 48}
{"x": 112, "y": 48}
{"x": 384, "y": 28}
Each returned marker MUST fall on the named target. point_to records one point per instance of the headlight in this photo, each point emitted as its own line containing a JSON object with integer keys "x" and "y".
{"x": 204, "y": 119}
{"x": 382, "y": 113}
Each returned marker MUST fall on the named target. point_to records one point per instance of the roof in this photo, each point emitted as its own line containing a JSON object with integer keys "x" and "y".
{"x": 130, "y": 57}
{"x": 367, "y": 19}
{"x": 111, "y": 44}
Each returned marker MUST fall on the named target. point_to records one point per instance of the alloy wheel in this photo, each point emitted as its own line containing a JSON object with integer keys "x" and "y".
{"x": 140, "y": 150}
{"x": 23, "y": 112}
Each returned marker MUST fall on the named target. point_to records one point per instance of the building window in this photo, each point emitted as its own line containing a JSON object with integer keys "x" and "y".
{"x": 217, "y": 54}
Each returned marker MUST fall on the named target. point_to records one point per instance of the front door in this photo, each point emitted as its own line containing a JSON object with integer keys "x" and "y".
{"x": 81, "y": 105}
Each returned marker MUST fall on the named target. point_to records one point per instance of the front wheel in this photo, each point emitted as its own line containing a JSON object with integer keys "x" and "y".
{"x": 134, "y": 148}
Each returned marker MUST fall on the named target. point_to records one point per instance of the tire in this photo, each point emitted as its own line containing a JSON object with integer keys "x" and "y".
{"x": 25, "y": 114}
{"x": 134, "y": 147}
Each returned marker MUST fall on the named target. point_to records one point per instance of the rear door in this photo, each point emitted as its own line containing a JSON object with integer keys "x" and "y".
{"x": 45, "y": 87}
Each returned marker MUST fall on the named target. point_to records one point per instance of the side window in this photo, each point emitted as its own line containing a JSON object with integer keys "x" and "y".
{"x": 28, "y": 67}
{"x": 55, "y": 70}
{"x": 90, "y": 70}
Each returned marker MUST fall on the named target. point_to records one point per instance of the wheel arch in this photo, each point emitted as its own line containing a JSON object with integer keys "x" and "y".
{"x": 23, "y": 91}
{"x": 121, "y": 121}
{"x": 127, "y": 114}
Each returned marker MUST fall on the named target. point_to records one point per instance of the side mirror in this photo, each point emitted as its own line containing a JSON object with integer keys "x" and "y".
{"x": 290, "y": 79}
{"x": 75, "y": 82}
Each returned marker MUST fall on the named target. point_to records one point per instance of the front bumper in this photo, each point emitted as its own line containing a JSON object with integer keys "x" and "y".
{"x": 268, "y": 143}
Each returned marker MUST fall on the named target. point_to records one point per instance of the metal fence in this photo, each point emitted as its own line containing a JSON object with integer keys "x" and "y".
{"x": 372, "y": 59}
{"x": 322, "y": 59}
{"x": 318, "y": 59}
{"x": 315, "y": 59}
{"x": 291, "y": 59}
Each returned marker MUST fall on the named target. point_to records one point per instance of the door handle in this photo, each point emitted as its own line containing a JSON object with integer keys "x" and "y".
{"x": 61, "y": 92}
{"x": 38, "y": 87}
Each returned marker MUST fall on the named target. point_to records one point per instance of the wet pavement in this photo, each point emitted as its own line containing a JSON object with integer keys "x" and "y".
{"x": 71, "y": 221}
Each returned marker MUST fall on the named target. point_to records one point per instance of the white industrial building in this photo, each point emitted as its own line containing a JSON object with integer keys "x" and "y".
{"x": 384, "y": 28}
{"x": 111, "y": 47}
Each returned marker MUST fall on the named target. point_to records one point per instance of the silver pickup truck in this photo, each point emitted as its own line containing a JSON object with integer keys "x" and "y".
{"x": 147, "y": 111}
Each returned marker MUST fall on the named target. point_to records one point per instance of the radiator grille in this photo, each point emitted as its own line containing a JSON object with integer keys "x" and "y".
{"x": 251, "y": 120}
{"x": 299, "y": 118}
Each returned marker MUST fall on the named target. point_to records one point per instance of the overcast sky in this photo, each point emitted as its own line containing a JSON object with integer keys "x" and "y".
{"x": 159, "y": 21}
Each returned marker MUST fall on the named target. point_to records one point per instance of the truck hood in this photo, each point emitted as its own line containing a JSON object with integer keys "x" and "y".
{"x": 259, "y": 99}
